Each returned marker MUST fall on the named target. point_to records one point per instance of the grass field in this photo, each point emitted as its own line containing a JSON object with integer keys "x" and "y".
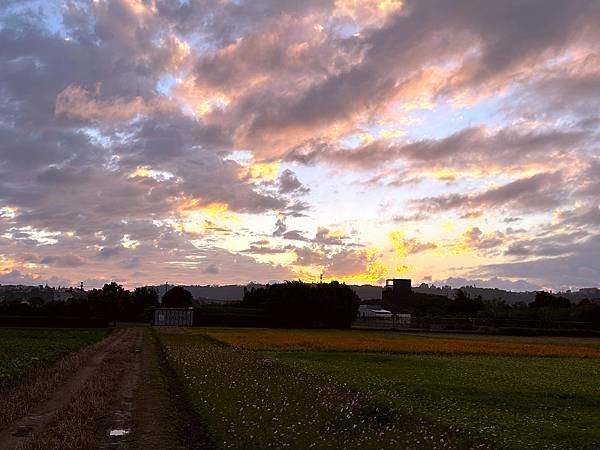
{"x": 23, "y": 349}
{"x": 251, "y": 401}
{"x": 388, "y": 390}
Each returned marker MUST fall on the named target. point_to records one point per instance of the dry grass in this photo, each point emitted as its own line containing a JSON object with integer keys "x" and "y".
{"x": 361, "y": 341}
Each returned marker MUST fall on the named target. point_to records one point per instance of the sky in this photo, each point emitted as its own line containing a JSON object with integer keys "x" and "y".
{"x": 218, "y": 142}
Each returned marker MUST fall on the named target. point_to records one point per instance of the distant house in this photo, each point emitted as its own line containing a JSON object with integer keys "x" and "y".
{"x": 64, "y": 294}
{"x": 377, "y": 316}
{"x": 173, "y": 317}
{"x": 373, "y": 312}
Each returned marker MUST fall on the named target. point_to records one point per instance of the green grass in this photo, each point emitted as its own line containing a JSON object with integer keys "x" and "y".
{"x": 517, "y": 402}
{"x": 357, "y": 399}
{"x": 23, "y": 349}
{"x": 251, "y": 401}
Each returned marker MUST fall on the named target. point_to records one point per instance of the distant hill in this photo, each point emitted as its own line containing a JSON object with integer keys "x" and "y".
{"x": 485, "y": 293}
{"x": 509, "y": 297}
{"x": 226, "y": 293}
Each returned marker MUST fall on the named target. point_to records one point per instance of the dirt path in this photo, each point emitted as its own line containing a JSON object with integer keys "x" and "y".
{"x": 123, "y": 395}
{"x": 120, "y": 429}
{"x": 45, "y": 421}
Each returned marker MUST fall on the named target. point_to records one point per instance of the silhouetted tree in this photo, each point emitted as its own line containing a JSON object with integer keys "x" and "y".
{"x": 146, "y": 296}
{"x": 143, "y": 299}
{"x": 109, "y": 301}
{"x": 464, "y": 304}
{"x": 297, "y": 304}
{"x": 177, "y": 297}
{"x": 546, "y": 300}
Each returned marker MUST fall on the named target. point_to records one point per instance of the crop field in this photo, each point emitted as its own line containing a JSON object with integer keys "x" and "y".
{"x": 360, "y": 389}
{"x": 24, "y": 349}
{"x": 393, "y": 342}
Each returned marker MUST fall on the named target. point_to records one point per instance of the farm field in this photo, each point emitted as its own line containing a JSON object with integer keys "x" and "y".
{"x": 252, "y": 401}
{"x": 434, "y": 391}
{"x": 24, "y": 349}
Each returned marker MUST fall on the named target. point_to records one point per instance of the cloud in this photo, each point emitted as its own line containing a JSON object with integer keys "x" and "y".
{"x": 482, "y": 48}
{"x": 553, "y": 245}
{"x": 559, "y": 261}
{"x": 62, "y": 261}
{"x": 325, "y": 236}
{"x": 264, "y": 250}
{"x": 538, "y": 192}
{"x": 405, "y": 247}
{"x": 475, "y": 238}
{"x": 295, "y": 235}
{"x": 132, "y": 263}
{"x": 75, "y": 102}
{"x": 211, "y": 269}
{"x": 471, "y": 151}
{"x": 345, "y": 264}
{"x": 288, "y": 183}
{"x": 16, "y": 277}
{"x": 109, "y": 252}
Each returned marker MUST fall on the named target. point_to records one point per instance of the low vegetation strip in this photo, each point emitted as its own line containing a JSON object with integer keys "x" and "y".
{"x": 252, "y": 401}
{"x": 389, "y": 342}
{"x": 25, "y": 349}
{"x": 165, "y": 417}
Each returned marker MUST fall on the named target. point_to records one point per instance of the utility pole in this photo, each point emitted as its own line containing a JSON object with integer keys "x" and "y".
{"x": 81, "y": 289}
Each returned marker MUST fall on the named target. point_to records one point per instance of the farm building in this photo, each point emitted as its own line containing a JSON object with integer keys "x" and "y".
{"x": 173, "y": 317}
{"x": 373, "y": 312}
{"x": 376, "y": 316}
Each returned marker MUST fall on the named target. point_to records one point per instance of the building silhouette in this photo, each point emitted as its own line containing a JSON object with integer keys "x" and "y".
{"x": 397, "y": 291}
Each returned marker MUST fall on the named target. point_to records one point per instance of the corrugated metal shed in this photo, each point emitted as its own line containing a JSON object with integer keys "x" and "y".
{"x": 173, "y": 317}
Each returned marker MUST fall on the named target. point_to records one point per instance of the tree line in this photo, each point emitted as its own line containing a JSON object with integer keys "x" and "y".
{"x": 545, "y": 306}
{"x": 112, "y": 302}
{"x": 298, "y": 304}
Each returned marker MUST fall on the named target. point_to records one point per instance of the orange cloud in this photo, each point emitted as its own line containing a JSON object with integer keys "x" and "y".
{"x": 75, "y": 102}
{"x": 405, "y": 247}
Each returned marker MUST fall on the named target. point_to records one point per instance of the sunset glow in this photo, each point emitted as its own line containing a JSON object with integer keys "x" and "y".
{"x": 230, "y": 141}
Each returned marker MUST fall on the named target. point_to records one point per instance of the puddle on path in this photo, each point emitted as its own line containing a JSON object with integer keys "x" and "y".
{"x": 119, "y": 432}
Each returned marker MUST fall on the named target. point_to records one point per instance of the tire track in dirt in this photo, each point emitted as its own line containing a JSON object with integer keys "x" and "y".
{"x": 121, "y": 428}
{"x": 22, "y": 429}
